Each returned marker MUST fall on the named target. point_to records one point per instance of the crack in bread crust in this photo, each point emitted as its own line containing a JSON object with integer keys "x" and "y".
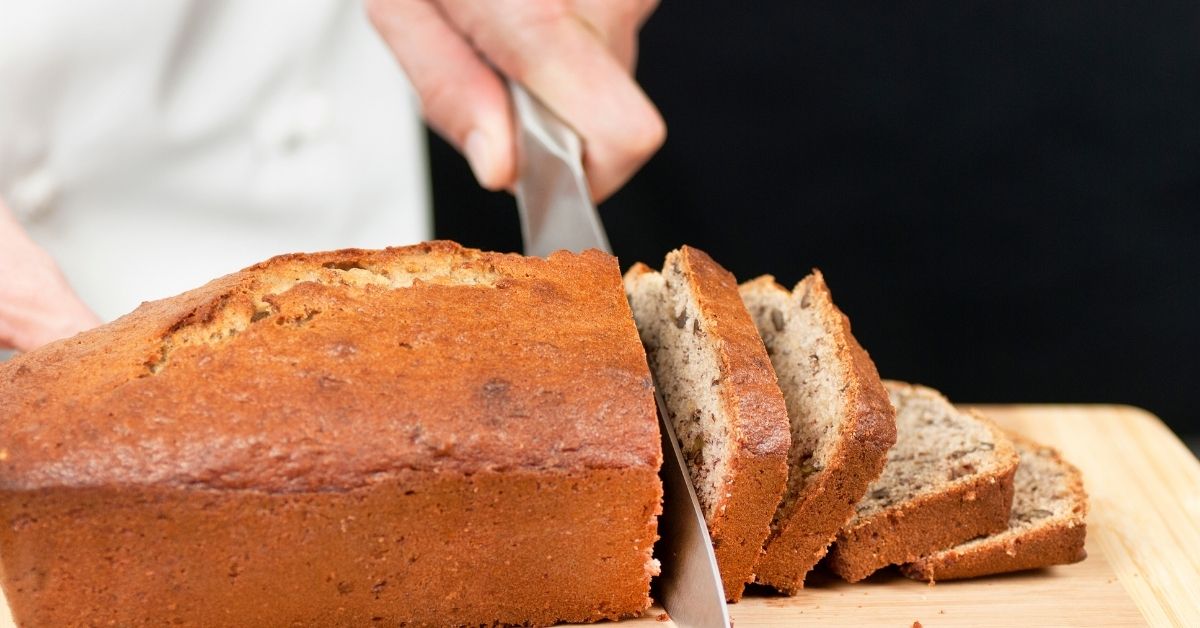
{"x": 231, "y": 313}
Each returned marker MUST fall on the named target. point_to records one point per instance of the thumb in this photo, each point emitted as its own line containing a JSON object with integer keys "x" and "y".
{"x": 563, "y": 61}
{"x": 37, "y": 304}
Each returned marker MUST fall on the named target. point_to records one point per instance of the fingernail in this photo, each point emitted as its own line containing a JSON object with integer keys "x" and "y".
{"x": 475, "y": 149}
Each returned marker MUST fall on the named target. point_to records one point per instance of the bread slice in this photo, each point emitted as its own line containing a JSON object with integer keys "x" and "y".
{"x": 842, "y": 423}
{"x": 1046, "y": 527}
{"x": 722, "y": 399}
{"x": 948, "y": 479}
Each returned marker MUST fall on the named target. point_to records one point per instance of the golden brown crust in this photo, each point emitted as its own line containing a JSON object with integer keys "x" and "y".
{"x": 739, "y": 531}
{"x": 330, "y": 369}
{"x": 966, "y": 509}
{"x": 810, "y": 523}
{"x": 757, "y": 405}
{"x": 284, "y": 411}
{"x": 1061, "y": 543}
{"x": 1056, "y": 541}
{"x": 638, "y": 269}
{"x": 751, "y": 397}
{"x": 400, "y": 552}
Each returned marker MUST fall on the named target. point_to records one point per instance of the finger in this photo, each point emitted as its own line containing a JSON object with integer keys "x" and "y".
{"x": 32, "y": 325}
{"x": 461, "y": 97}
{"x": 27, "y": 334}
{"x": 37, "y": 304}
{"x": 561, "y": 60}
{"x": 617, "y": 22}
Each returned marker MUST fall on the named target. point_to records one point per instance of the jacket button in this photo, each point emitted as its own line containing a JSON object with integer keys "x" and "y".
{"x": 288, "y": 129}
{"x": 33, "y": 196}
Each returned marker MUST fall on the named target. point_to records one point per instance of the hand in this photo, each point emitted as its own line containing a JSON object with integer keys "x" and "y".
{"x": 36, "y": 304}
{"x": 577, "y": 56}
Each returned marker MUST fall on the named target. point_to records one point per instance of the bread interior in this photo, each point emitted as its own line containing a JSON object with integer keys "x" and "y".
{"x": 936, "y": 445}
{"x": 1041, "y": 487}
{"x": 687, "y": 373}
{"x": 796, "y": 331}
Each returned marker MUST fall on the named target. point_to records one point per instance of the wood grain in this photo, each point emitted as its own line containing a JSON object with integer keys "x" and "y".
{"x": 1143, "y": 563}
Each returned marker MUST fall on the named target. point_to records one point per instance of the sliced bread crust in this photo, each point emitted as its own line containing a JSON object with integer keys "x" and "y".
{"x": 841, "y": 420}
{"x": 1047, "y": 525}
{"x": 722, "y": 395}
{"x": 905, "y": 515}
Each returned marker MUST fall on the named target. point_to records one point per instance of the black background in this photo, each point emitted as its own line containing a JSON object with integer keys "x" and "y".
{"x": 1003, "y": 196}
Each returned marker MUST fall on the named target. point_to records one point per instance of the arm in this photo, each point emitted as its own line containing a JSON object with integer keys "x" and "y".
{"x": 577, "y": 56}
{"x": 36, "y": 303}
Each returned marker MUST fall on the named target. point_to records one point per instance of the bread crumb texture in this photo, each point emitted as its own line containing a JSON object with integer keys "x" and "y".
{"x": 842, "y": 422}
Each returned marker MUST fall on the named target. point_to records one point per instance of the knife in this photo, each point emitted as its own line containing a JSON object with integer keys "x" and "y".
{"x": 557, "y": 213}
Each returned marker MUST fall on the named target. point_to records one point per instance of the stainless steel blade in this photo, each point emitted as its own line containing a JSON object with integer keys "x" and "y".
{"x": 552, "y": 194}
{"x": 557, "y": 213}
{"x": 690, "y": 584}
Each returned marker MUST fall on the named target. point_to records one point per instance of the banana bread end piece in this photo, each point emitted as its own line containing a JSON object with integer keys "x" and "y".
{"x": 948, "y": 479}
{"x": 1047, "y": 525}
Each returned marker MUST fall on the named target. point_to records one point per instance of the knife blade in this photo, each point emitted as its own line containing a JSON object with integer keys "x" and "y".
{"x": 556, "y": 211}
{"x": 553, "y": 199}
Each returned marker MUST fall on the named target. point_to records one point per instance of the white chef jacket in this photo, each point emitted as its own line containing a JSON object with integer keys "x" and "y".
{"x": 152, "y": 145}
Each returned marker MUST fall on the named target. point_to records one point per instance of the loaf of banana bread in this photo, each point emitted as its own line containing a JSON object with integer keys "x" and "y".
{"x": 420, "y": 435}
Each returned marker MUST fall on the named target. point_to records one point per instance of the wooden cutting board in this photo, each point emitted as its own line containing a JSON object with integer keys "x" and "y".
{"x": 1143, "y": 565}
